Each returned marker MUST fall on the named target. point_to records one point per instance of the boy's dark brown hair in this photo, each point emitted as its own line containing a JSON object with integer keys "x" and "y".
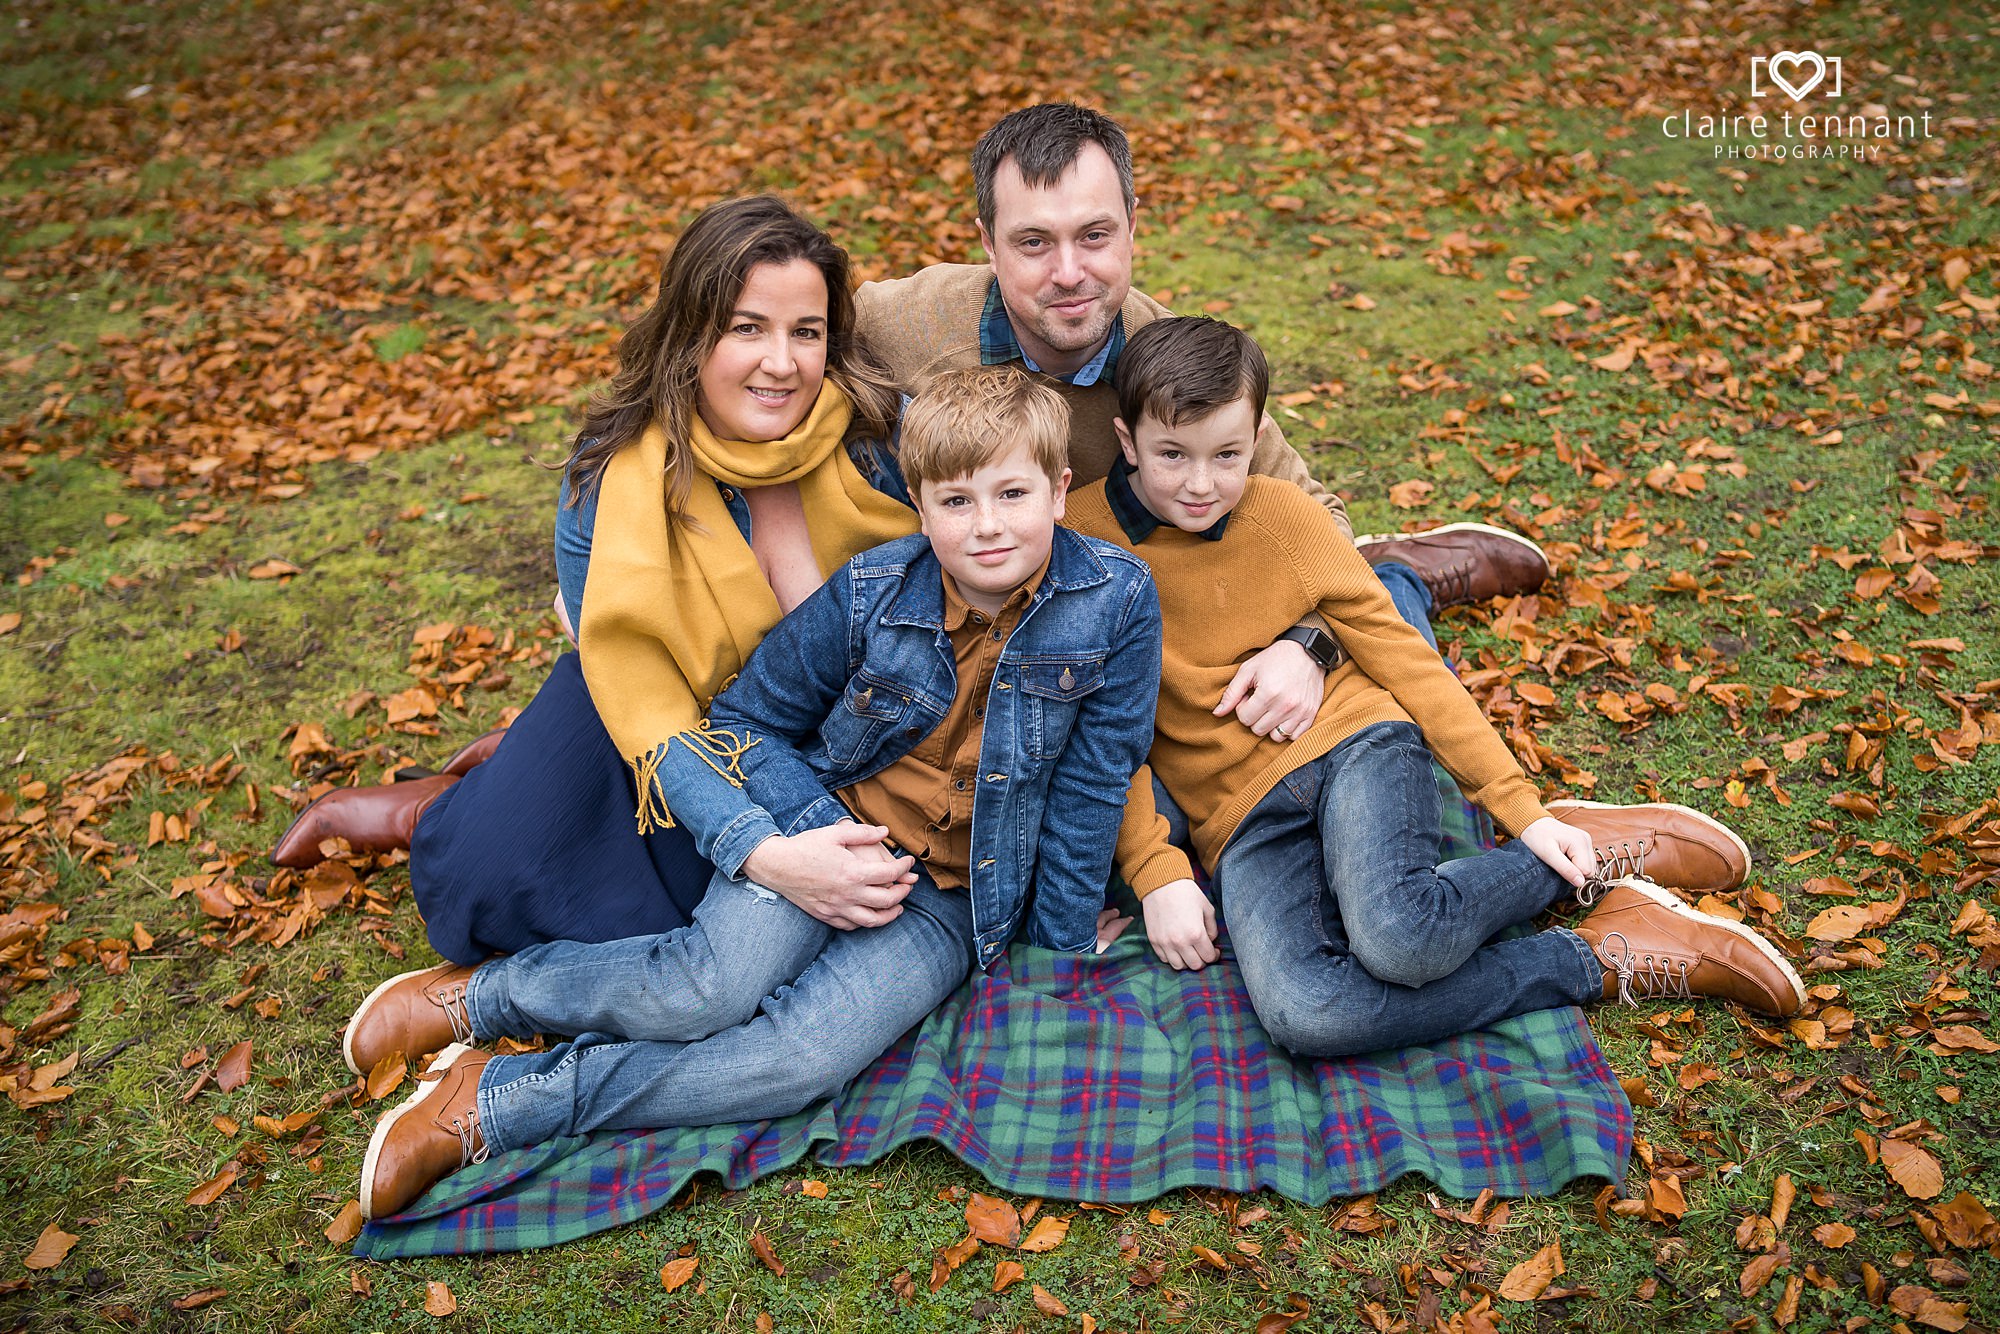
{"x": 1183, "y": 368}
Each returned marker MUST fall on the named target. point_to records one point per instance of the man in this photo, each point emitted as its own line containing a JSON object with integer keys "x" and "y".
{"x": 1056, "y": 215}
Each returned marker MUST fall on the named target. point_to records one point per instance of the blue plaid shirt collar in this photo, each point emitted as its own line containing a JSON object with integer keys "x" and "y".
{"x": 1139, "y": 522}
{"x": 998, "y": 345}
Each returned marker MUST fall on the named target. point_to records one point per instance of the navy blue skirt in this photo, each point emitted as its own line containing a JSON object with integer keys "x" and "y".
{"x": 540, "y": 842}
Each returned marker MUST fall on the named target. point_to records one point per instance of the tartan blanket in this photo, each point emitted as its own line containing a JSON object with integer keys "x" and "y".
{"x": 1109, "y": 1078}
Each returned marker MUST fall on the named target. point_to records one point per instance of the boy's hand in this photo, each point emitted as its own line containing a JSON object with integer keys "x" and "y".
{"x": 840, "y": 874}
{"x": 1278, "y": 690}
{"x": 1111, "y": 924}
{"x": 1180, "y": 923}
{"x": 1563, "y": 847}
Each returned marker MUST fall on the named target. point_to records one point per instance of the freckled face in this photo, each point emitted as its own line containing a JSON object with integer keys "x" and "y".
{"x": 1192, "y": 474}
{"x": 763, "y": 375}
{"x": 992, "y": 528}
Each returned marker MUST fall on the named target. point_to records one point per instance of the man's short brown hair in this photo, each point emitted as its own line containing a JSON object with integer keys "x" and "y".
{"x": 1185, "y": 367}
{"x": 965, "y": 418}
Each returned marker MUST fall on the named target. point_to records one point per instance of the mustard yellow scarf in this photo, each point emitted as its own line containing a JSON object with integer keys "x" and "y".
{"x": 672, "y": 610}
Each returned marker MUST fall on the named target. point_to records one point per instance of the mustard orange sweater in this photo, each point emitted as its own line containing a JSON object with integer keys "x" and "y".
{"x": 1224, "y": 600}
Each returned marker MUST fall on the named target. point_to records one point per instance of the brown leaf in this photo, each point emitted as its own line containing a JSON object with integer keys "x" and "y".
{"x": 274, "y": 569}
{"x": 1927, "y": 1308}
{"x": 1046, "y": 1235}
{"x": 199, "y": 1298}
{"x": 761, "y": 1244}
{"x": 1783, "y": 1193}
{"x": 1787, "y": 1309}
{"x": 1006, "y": 1273}
{"x": 1046, "y": 1302}
{"x": 438, "y": 1300}
{"x": 1833, "y": 1236}
{"x": 1664, "y": 1194}
{"x": 10, "y": 621}
{"x": 1964, "y": 1037}
{"x": 387, "y": 1076}
{"x": 233, "y": 1071}
{"x": 346, "y": 1224}
{"x": 1873, "y": 583}
{"x": 209, "y": 1191}
{"x": 674, "y": 1273}
{"x": 1412, "y": 494}
{"x": 1913, "y": 1168}
{"x": 51, "y": 1248}
{"x": 950, "y": 1258}
{"x": 1756, "y": 1274}
{"x": 992, "y": 1220}
{"x": 288, "y": 1127}
{"x": 1526, "y": 1280}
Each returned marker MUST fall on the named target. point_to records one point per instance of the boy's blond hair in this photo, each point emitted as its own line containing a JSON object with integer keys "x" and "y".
{"x": 966, "y": 418}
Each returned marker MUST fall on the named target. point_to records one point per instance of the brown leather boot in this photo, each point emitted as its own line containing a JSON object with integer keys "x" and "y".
{"x": 415, "y": 1013}
{"x": 1654, "y": 947}
{"x": 1463, "y": 562}
{"x": 428, "y": 1136}
{"x": 468, "y": 757}
{"x": 1664, "y": 843}
{"x": 371, "y": 819}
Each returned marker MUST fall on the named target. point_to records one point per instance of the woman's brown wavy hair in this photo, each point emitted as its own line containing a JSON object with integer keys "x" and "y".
{"x": 661, "y": 354}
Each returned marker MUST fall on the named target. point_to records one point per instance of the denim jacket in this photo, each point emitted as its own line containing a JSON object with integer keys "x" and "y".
{"x": 863, "y": 669}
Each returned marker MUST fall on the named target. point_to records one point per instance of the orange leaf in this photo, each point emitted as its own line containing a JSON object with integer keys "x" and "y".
{"x": 346, "y": 1224}
{"x": 674, "y": 1273}
{"x": 1006, "y": 1273}
{"x": 51, "y": 1248}
{"x": 1756, "y": 1274}
{"x": 388, "y": 1074}
{"x": 1833, "y": 1236}
{"x": 1912, "y": 1168}
{"x": 762, "y": 1245}
{"x": 1527, "y": 1280}
{"x": 274, "y": 569}
{"x": 209, "y": 1191}
{"x": 438, "y": 1300}
{"x": 992, "y": 1220}
{"x": 1873, "y": 583}
{"x": 1615, "y": 361}
{"x": 9, "y": 622}
{"x": 233, "y": 1071}
{"x": 199, "y": 1298}
{"x": 1046, "y": 1303}
{"x": 1664, "y": 1194}
{"x": 1046, "y": 1235}
{"x": 813, "y": 1190}
{"x": 1783, "y": 1192}
{"x": 1412, "y": 494}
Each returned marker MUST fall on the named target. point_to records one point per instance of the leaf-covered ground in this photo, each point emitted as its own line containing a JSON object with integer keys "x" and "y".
{"x": 293, "y": 298}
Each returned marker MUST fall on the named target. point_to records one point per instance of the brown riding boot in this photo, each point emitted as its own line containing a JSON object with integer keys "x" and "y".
{"x": 1654, "y": 947}
{"x": 468, "y": 757}
{"x": 371, "y": 819}
{"x": 1660, "y": 842}
{"x": 1463, "y": 562}
{"x": 415, "y": 1013}
{"x": 428, "y": 1136}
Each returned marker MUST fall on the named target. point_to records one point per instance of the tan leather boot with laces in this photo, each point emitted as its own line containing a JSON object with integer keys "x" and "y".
{"x": 1654, "y": 947}
{"x": 428, "y": 1136}
{"x": 1660, "y": 842}
{"x": 415, "y": 1013}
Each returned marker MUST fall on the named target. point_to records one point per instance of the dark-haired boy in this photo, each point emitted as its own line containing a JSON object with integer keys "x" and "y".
{"x": 1323, "y": 844}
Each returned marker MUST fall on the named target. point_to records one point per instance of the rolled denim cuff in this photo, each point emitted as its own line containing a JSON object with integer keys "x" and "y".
{"x": 823, "y": 812}
{"x": 739, "y": 838}
{"x": 1590, "y": 981}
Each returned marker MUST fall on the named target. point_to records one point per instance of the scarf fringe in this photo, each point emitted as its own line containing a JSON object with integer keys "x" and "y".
{"x": 719, "y": 749}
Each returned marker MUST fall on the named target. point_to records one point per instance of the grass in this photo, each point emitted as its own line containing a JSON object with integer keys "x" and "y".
{"x": 152, "y": 631}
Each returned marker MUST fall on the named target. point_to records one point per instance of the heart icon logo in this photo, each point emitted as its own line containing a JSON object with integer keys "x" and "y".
{"x": 1797, "y": 60}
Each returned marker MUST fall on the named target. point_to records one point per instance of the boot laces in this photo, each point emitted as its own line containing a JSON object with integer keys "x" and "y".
{"x": 451, "y": 1000}
{"x": 1622, "y": 859}
{"x": 1651, "y": 976}
{"x": 1592, "y": 890}
{"x": 1451, "y": 583}
{"x": 467, "y": 1129}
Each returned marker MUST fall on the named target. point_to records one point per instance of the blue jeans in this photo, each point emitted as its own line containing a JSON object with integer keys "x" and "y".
{"x": 754, "y": 1011}
{"x": 1353, "y": 939}
{"x": 1412, "y": 598}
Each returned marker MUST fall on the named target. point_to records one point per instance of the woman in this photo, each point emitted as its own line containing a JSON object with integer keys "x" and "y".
{"x": 726, "y": 470}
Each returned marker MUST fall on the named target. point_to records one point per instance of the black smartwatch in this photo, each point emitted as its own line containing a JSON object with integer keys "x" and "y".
{"x": 1323, "y": 647}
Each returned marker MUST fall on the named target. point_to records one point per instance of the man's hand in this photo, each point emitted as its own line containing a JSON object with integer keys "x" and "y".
{"x": 1278, "y": 692}
{"x": 1180, "y": 923}
{"x": 840, "y": 874}
{"x": 1565, "y": 848}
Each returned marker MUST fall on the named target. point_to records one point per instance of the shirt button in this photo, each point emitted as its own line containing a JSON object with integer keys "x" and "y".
{"x": 909, "y": 731}
{"x": 727, "y": 494}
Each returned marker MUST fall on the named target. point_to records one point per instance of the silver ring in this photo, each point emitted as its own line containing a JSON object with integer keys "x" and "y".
{"x": 1279, "y": 732}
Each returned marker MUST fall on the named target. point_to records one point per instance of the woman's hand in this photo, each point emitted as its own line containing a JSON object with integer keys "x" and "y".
{"x": 1563, "y": 847}
{"x": 840, "y": 874}
{"x": 1277, "y": 692}
{"x": 1180, "y": 923}
{"x": 1111, "y": 924}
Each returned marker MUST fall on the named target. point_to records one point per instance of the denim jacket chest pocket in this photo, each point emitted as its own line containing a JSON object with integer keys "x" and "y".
{"x": 1052, "y": 689}
{"x": 867, "y": 718}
